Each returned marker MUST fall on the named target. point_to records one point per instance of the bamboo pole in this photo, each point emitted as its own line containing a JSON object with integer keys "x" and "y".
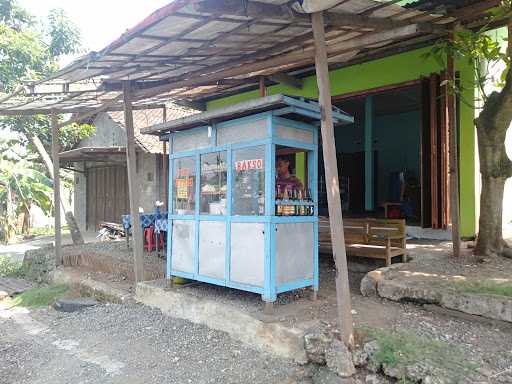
{"x": 453, "y": 153}
{"x": 56, "y": 188}
{"x": 344, "y": 306}
{"x": 133, "y": 186}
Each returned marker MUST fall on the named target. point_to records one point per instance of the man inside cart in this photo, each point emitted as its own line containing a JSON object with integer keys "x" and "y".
{"x": 287, "y": 185}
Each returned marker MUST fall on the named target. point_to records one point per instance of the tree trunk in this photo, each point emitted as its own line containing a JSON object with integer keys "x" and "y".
{"x": 10, "y": 226}
{"x": 490, "y": 237}
{"x": 76, "y": 235}
{"x": 25, "y": 229}
{"x": 495, "y": 166}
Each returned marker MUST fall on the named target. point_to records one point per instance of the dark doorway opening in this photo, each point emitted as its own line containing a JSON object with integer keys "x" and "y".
{"x": 380, "y": 155}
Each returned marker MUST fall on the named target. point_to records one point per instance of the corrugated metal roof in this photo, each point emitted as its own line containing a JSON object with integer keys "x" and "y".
{"x": 189, "y": 49}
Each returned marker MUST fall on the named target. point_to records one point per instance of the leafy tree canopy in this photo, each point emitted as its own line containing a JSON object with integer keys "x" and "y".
{"x": 12, "y": 15}
{"x": 482, "y": 49}
{"x": 30, "y": 51}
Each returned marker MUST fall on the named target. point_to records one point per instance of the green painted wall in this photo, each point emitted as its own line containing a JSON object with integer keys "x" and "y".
{"x": 394, "y": 70}
{"x": 300, "y": 167}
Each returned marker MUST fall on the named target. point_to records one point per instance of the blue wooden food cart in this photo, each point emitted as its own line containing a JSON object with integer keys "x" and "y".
{"x": 233, "y": 219}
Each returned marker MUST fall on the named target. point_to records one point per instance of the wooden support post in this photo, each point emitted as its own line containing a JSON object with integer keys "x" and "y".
{"x": 332, "y": 181}
{"x": 56, "y": 188}
{"x": 165, "y": 171}
{"x": 263, "y": 90}
{"x": 453, "y": 154}
{"x": 434, "y": 149}
{"x": 165, "y": 164}
{"x": 368, "y": 153}
{"x": 133, "y": 185}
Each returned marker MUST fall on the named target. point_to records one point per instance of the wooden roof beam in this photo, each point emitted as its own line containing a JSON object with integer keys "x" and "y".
{"x": 482, "y": 7}
{"x": 257, "y": 10}
{"x": 286, "y": 79}
{"x": 335, "y": 19}
{"x": 382, "y": 5}
{"x": 197, "y": 105}
{"x": 293, "y": 59}
{"x": 85, "y": 110}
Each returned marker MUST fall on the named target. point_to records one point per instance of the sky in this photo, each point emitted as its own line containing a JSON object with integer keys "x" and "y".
{"x": 100, "y": 21}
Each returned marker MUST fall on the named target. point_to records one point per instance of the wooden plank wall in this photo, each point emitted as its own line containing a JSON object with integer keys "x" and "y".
{"x": 435, "y": 179}
{"x": 444, "y": 178}
{"x": 425, "y": 162}
{"x": 107, "y": 195}
{"x": 434, "y": 164}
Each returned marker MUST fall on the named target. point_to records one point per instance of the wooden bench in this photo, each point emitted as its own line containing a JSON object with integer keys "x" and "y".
{"x": 372, "y": 238}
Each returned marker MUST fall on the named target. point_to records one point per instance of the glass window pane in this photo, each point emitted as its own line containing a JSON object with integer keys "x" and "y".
{"x": 249, "y": 181}
{"x": 214, "y": 185}
{"x": 184, "y": 185}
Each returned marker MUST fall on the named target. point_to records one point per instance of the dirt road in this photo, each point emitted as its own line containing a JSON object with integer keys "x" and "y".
{"x": 125, "y": 344}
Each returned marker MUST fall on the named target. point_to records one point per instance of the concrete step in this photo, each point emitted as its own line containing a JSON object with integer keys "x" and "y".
{"x": 240, "y": 322}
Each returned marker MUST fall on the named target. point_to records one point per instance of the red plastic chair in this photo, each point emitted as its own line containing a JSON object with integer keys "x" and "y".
{"x": 149, "y": 236}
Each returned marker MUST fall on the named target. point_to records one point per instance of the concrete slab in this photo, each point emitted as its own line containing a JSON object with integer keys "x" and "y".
{"x": 396, "y": 284}
{"x": 241, "y": 319}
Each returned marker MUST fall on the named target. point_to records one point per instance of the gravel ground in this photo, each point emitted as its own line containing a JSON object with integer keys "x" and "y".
{"x": 488, "y": 344}
{"x": 485, "y": 342}
{"x": 125, "y": 344}
{"x": 435, "y": 258}
{"x": 135, "y": 344}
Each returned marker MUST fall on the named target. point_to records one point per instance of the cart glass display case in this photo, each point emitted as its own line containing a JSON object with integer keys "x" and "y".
{"x": 243, "y": 201}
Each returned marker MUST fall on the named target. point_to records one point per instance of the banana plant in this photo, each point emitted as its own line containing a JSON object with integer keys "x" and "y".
{"x": 21, "y": 185}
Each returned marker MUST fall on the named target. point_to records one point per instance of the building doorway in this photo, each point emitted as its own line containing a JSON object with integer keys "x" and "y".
{"x": 393, "y": 155}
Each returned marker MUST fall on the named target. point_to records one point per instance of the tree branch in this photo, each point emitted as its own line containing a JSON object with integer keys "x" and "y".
{"x": 49, "y": 165}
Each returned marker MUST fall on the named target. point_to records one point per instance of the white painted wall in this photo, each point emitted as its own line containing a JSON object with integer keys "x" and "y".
{"x": 150, "y": 181}
{"x": 108, "y": 133}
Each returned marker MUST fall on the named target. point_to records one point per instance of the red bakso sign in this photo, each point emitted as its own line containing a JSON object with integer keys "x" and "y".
{"x": 246, "y": 165}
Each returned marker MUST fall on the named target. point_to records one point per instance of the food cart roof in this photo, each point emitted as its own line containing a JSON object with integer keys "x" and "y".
{"x": 295, "y": 108}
